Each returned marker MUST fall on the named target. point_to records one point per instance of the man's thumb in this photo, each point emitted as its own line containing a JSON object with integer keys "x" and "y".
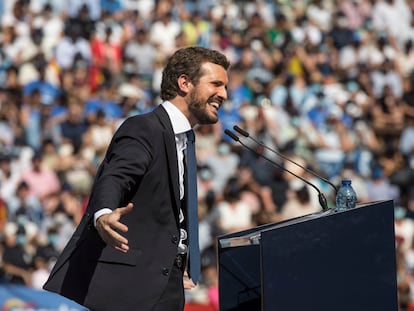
{"x": 126, "y": 209}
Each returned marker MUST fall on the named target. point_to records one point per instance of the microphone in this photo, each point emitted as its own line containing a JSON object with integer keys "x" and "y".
{"x": 321, "y": 196}
{"x": 246, "y": 134}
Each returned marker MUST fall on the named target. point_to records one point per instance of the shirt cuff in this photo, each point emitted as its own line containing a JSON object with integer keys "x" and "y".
{"x": 100, "y": 213}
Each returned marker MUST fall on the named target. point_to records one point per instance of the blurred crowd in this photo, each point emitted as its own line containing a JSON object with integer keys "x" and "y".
{"x": 329, "y": 84}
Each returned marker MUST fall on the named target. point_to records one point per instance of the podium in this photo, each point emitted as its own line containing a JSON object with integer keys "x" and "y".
{"x": 342, "y": 261}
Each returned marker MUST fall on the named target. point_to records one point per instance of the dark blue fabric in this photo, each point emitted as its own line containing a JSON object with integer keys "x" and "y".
{"x": 192, "y": 209}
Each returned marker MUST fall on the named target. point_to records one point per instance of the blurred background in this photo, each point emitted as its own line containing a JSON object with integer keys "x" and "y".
{"x": 329, "y": 84}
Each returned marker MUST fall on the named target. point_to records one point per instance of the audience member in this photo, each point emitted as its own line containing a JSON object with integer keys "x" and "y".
{"x": 24, "y": 207}
{"x": 298, "y": 201}
{"x": 16, "y": 264}
{"x": 41, "y": 182}
{"x": 234, "y": 213}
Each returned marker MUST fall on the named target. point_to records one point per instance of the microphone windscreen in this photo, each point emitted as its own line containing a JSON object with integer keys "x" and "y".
{"x": 241, "y": 131}
{"x": 229, "y": 133}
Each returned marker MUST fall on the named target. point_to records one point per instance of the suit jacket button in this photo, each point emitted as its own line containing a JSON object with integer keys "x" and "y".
{"x": 174, "y": 239}
{"x": 165, "y": 271}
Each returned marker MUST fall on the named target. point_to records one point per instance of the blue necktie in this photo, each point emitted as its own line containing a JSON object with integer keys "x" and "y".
{"x": 192, "y": 209}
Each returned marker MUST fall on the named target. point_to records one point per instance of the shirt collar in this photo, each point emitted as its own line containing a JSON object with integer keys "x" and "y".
{"x": 180, "y": 123}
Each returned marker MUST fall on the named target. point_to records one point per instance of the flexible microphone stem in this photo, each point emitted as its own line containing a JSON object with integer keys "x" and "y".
{"x": 246, "y": 134}
{"x": 322, "y": 199}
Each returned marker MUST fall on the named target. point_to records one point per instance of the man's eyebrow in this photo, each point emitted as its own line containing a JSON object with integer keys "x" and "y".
{"x": 217, "y": 82}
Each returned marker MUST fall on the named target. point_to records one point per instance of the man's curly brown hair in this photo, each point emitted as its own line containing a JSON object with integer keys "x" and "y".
{"x": 188, "y": 61}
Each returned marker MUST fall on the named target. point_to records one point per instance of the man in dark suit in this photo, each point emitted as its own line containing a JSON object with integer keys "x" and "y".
{"x": 133, "y": 257}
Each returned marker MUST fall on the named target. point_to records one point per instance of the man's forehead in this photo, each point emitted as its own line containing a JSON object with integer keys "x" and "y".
{"x": 214, "y": 72}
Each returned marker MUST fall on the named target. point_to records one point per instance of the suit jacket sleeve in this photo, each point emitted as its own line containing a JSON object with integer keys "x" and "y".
{"x": 127, "y": 159}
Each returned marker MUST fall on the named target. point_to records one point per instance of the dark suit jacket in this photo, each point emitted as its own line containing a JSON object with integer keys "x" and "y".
{"x": 140, "y": 167}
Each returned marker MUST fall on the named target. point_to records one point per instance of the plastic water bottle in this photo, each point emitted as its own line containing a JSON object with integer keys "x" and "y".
{"x": 346, "y": 197}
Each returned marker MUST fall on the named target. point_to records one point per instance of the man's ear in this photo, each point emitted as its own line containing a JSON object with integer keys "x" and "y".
{"x": 184, "y": 84}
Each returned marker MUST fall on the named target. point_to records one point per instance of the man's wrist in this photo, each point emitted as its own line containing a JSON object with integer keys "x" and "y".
{"x": 100, "y": 213}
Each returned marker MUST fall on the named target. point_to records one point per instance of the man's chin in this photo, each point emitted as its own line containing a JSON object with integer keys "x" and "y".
{"x": 208, "y": 120}
{"x": 212, "y": 121}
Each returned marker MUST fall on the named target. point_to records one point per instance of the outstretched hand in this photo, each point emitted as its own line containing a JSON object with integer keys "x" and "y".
{"x": 108, "y": 224}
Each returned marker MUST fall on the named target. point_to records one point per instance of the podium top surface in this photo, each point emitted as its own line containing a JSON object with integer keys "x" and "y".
{"x": 252, "y": 236}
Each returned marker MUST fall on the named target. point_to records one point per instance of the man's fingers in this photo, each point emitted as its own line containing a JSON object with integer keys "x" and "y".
{"x": 119, "y": 226}
{"x": 123, "y": 248}
{"x": 126, "y": 209}
{"x": 108, "y": 225}
{"x": 120, "y": 212}
{"x": 114, "y": 239}
{"x": 188, "y": 283}
{"x": 109, "y": 234}
{"x": 119, "y": 239}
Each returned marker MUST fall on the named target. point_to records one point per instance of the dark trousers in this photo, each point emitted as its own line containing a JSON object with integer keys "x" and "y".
{"x": 173, "y": 297}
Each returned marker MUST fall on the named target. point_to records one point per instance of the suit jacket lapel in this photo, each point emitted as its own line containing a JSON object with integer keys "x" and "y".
{"x": 171, "y": 151}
